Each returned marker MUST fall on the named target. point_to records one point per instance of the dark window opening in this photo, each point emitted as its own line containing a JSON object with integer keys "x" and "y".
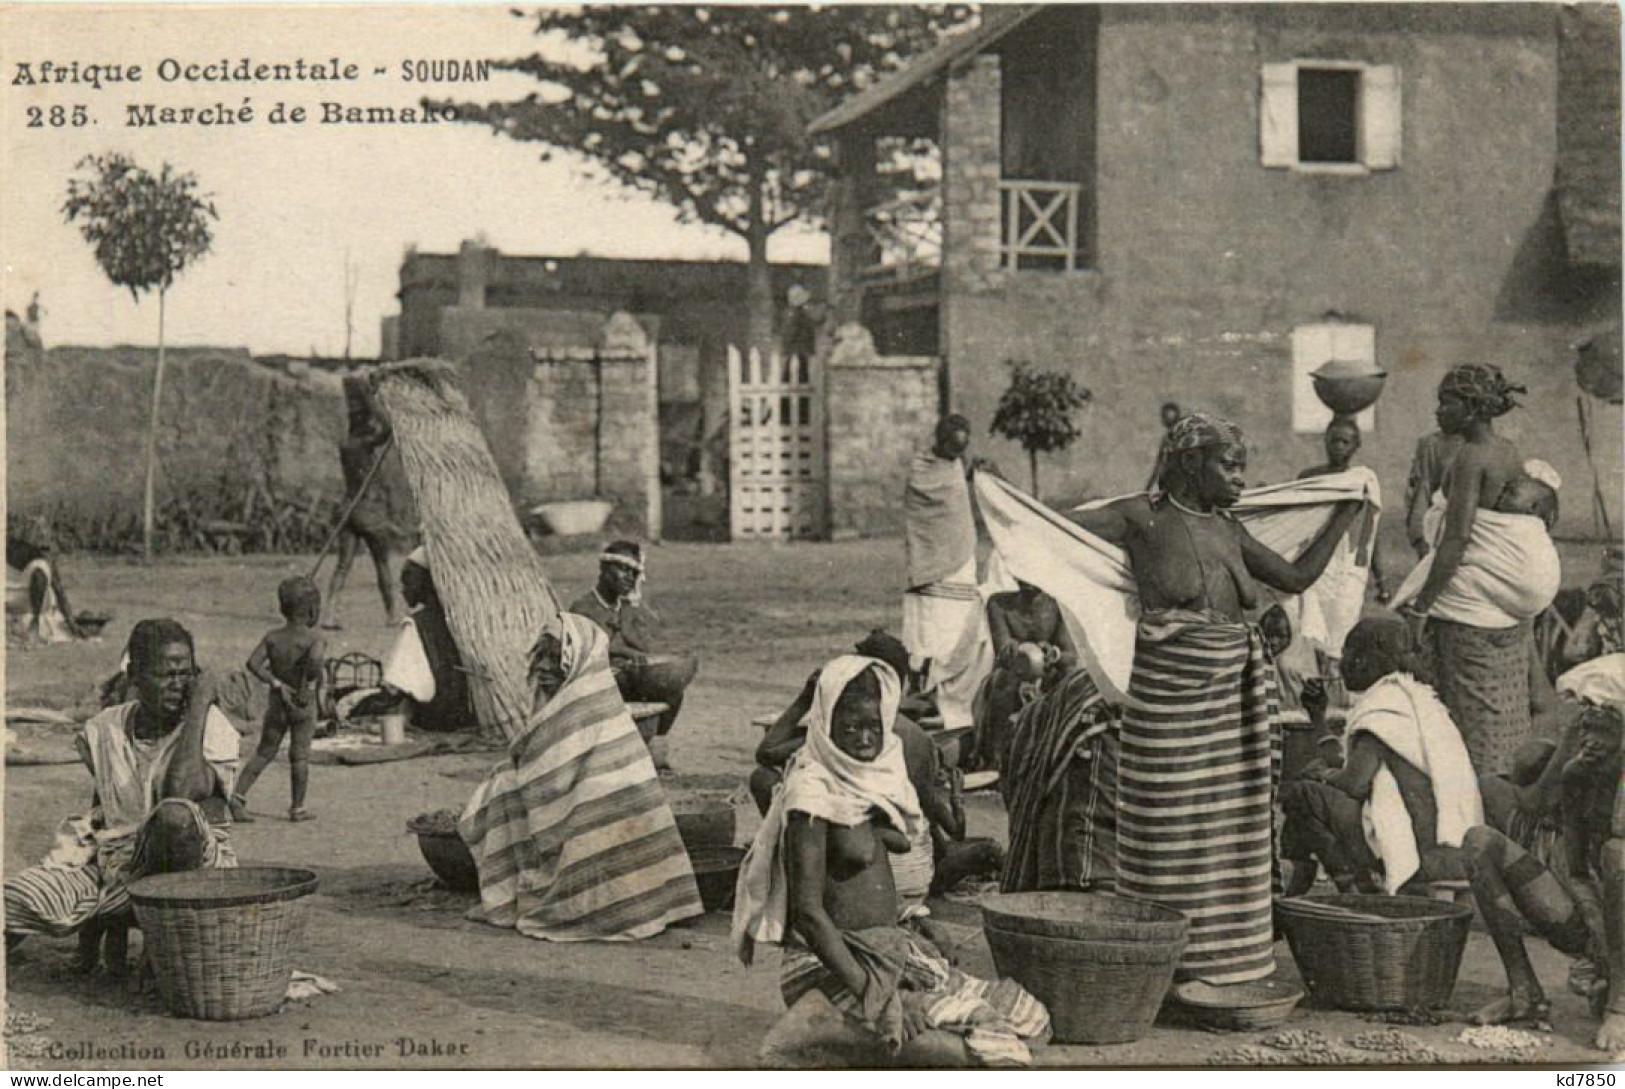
{"x": 1328, "y": 115}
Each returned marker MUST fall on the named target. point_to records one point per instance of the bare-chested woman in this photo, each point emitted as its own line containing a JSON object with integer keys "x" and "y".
{"x": 1199, "y": 747}
{"x": 1482, "y": 672}
{"x": 818, "y": 881}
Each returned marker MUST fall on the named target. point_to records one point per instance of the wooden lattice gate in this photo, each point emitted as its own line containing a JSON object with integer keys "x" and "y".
{"x": 776, "y": 474}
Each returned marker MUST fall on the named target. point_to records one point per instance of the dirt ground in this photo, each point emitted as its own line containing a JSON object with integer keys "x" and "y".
{"x": 422, "y": 987}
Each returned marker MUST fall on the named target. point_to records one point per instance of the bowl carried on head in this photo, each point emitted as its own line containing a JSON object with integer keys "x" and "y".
{"x": 1348, "y": 388}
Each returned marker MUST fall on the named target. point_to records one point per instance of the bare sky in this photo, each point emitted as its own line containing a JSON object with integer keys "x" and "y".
{"x": 293, "y": 201}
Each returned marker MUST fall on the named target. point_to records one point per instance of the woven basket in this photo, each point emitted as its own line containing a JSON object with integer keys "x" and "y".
{"x": 1407, "y": 959}
{"x": 222, "y": 941}
{"x": 716, "y": 872}
{"x": 1101, "y": 964}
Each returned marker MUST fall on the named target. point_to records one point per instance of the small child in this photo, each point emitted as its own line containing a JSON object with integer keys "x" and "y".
{"x": 289, "y": 661}
{"x": 1527, "y": 495}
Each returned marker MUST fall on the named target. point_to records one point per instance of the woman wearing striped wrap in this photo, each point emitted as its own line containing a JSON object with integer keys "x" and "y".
{"x": 162, "y": 767}
{"x": 1199, "y": 748}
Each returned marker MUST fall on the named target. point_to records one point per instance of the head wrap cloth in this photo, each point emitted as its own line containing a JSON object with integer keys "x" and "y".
{"x": 1199, "y": 430}
{"x": 1483, "y": 388}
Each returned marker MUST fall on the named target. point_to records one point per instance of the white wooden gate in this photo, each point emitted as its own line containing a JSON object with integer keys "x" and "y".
{"x": 776, "y": 477}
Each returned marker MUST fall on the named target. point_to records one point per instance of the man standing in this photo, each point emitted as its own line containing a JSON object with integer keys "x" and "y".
{"x": 383, "y": 516}
{"x": 616, "y": 605}
{"x": 944, "y": 626}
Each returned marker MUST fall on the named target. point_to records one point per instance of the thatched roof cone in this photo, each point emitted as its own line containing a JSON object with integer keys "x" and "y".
{"x": 497, "y": 598}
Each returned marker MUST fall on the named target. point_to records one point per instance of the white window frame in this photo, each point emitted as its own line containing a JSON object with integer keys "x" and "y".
{"x": 1315, "y": 344}
{"x": 1378, "y": 120}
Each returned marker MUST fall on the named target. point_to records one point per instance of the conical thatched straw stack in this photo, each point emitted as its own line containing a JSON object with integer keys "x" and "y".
{"x": 490, "y": 580}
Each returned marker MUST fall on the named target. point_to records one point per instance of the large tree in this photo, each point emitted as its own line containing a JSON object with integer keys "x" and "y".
{"x": 706, "y": 108}
{"x": 145, "y": 228}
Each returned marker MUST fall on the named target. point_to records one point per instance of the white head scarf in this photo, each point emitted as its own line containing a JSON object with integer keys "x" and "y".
{"x": 824, "y": 782}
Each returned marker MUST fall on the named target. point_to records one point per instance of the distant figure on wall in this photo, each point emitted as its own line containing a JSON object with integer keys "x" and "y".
{"x": 1170, "y": 416}
{"x": 800, "y": 339}
{"x": 384, "y": 517}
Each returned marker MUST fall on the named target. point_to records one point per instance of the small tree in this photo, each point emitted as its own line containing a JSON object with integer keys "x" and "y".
{"x": 1037, "y": 410}
{"x": 145, "y": 228}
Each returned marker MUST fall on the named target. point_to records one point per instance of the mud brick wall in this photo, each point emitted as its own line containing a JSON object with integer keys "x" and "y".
{"x": 76, "y": 424}
{"x": 531, "y": 378}
{"x": 879, "y": 411}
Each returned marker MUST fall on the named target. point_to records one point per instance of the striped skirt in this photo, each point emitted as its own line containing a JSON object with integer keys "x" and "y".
{"x": 1199, "y": 760}
{"x": 58, "y": 898}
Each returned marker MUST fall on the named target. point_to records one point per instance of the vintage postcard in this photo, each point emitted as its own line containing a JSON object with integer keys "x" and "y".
{"x": 612, "y": 536}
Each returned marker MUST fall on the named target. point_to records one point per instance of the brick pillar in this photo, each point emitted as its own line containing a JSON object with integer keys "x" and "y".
{"x": 970, "y": 178}
{"x": 850, "y": 249}
{"x": 473, "y": 272}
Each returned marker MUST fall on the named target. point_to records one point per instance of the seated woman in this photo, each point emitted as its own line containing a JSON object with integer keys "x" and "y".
{"x": 1031, "y": 646}
{"x": 818, "y": 881}
{"x": 1408, "y": 777}
{"x": 162, "y": 768}
{"x": 1060, "y": 789}
{"x": 938, "y": 788}
{"x": 571, "y": 831}
{"x": 425, "y": 667}
{"x": 37, "y": 607}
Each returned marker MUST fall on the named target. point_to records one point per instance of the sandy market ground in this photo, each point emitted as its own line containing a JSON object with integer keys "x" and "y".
{"x": 423, "y": 987}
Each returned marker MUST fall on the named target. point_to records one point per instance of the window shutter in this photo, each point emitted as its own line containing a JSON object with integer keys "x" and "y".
{"x": 1380, "y": 137}
{"x": 1278, "y": 115}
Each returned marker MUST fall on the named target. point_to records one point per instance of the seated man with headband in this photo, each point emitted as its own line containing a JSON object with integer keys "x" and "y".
{"x": 616, "y": 605}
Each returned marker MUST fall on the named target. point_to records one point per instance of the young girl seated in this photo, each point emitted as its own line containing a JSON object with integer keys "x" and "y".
{"x": 818, "y": 882}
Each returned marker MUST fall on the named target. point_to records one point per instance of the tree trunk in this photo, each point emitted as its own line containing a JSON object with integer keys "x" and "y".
{"x": 759, "y": 278}
{"x": 1032, "y": 467}
{"x": 152, "y": 439}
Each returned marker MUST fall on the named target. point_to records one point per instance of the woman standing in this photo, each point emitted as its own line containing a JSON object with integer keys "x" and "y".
{"x": 1199, "y": 745}
{"x": 1483, "y": 671}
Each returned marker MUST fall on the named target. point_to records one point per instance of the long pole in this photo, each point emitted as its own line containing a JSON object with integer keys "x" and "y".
{"x": 344, "y": 517}
{"x": 152, "y": 437}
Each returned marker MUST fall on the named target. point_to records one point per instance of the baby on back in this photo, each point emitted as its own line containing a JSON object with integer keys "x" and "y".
{"x": 1527, "y": 494}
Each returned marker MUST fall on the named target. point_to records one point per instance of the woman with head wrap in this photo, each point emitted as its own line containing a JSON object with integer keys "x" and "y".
{"x": 818, "y": 882}
{"x": 1199, "y": 745}
{"x": 162, "y": 767}
{"x": 571, "y": 831}
{"x": 1481, "y": 648}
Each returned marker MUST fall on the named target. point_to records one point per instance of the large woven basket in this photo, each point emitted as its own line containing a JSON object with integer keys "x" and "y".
{"x": 221, "y": 941}
{"x": 1101, "y": 964}
{"x": 1406, "y": 957}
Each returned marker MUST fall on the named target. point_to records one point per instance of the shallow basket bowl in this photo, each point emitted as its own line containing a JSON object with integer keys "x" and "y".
{"x": 1241, "y": 1007}
{"x": 716, "y": 871}
{"x": 704, "y": 822}
{"x": 572, "y": 518}
{"x": 450, "y": 859}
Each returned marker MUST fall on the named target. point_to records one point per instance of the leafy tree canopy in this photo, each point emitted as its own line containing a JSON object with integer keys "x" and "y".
{"x": 706, "y": 108}
{"x": 144, "y": 227}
